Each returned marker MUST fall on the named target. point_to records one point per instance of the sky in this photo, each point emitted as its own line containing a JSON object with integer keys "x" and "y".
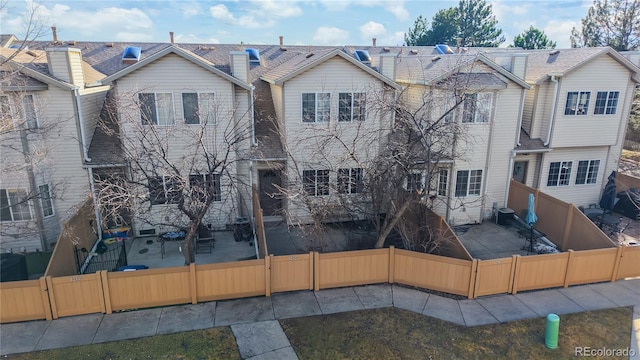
{"x": 303, "y": 22}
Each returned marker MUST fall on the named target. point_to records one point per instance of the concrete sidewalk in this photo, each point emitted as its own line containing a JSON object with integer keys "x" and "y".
{"x": 259, "y": 335}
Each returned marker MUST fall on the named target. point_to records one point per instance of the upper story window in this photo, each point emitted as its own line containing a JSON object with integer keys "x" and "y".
{"x": 316, "y": 182}
{"x": 577, "y": 103}
{"x": 351, "y": 106}
{"x": 587, "y": 172}
{"x": 14, "y": 205}
{"x": 606, "y": 102}
{"x": 415, "y": 181}
{"x": 164, "y": 190}
{"x": 201, "y": 184}
{"x": 199, "y": 108}
{"x": 468, "y": 182}
{"x": 46, "y": 200}
{"x": 559, "y": 173}
{"x": 350, "y": 181}
{"x": 156, "y": 108}
{"x": 18, "y": 111}
{"x": 476, "y": 108}
{"x": 316, "y": 107}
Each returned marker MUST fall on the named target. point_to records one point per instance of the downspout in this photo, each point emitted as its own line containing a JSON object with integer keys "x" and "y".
{"x": 85, "y": 154}
{"x": 509, "y": 174}
{"x": 254, "y": 141}
{"x": 253, "y": 218}
{"x": 553, "y": 109}
{"x": 96, "y": 210}
{"x": 488, "y": 161}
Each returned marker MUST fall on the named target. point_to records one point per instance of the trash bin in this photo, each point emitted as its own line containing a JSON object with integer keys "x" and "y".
{"x": 505, "y": 215}
{"x": 242, "y": 229}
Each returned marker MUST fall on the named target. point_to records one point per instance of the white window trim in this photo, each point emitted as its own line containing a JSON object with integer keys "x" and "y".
{"x": 350, "y": 184}
{"x": 215, "y": 117}
{"x": 204, "y": 178}
{"x": 29, "y": 204}
{"x": 35, "y": 112}
{"x": 446, "y": 183}
{"x": 476, "y": 112}
{"x": 351, "y": 106}
{"x": 575, "y": 111}
{"x": 606, "y": 103}
{"x": 315, "y": 117}
{"x": 316, "y": 192}
{"x": 562, "y": 164}
{"x": 53, "y": 207}
{"x": 467, "y": 194}
{"x": 586, "y": 178}
{"x": 155, "y": 98}
{"x": 423, "y": 179}
{"x": 164, "y": 189}
{"x": 12, "y": 102}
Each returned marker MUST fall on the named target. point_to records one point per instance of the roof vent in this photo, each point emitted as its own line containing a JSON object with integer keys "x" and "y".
{"x": 363, "y": 56}
{"x": 435, "y": 58}
{"x": 254, "y": 55}
{"x": 131, "y": 54}
{"x": 444, "y": 49}
{"x": 32, "y": 53}
{"x": 72, "y": 42}
{"x": 414, "y": 51}
{"x": 309, "y": 55}
{"x": 386, "y": 49}
{"x": 17, "y": 46}
{"x": 109, "y": 44}
{"x": 554, "y": 52}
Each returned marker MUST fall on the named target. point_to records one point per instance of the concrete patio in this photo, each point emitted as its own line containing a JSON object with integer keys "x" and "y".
{"x": 491, "y": 241}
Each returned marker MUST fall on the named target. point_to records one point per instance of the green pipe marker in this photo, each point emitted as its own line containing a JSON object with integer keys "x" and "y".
{"x": 551, "y": 332}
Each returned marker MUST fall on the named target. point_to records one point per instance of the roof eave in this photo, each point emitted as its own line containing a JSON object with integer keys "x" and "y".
{"x": 38, "y": 75}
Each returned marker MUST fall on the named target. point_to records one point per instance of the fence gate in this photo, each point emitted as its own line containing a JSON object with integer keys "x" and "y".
{"x": 107, "y": 257}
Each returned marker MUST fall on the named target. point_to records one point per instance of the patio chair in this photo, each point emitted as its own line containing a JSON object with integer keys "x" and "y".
{"x": 204, "y": 240}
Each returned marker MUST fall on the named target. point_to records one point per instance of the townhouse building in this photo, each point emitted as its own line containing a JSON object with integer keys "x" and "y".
{"x": 301, "y": 122}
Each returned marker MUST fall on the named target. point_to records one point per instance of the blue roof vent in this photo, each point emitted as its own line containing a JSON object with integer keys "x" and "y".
{"x": 444, "y": 49}
{"x": 254, "y": 55}
{"x": 363, "y": 56}
{"x": 131, "y": 54}
{"x": 17, "y": 46}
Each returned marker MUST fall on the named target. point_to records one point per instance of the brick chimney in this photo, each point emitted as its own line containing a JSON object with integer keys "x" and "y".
{"x": 66, "y": 64}
{"x": 171, "y": 36}
{"x": 54, "y": 30}
{"x": 281, "y": 40}
{"x": 373, "y": 40}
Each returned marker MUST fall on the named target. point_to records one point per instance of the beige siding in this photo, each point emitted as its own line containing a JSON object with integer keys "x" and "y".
{"x": 92, "y": 101}
{"x": 542, "y": 110}
{"x": 527, "y": 114}
{"x": 75, "y": 65}
{"x": 277, "y": 95}
{"x": 578, "y": 194}
{"x": 309, "y": 144}
{"x": 601, "y": 74}
{"x": 226, "y": 138}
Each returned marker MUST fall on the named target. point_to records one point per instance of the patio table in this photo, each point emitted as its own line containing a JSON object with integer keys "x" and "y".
{"x": 170, "y": 236}
{"x": 605, "y": 221}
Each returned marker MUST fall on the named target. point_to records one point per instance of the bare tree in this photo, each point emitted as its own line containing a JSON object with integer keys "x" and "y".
{"x": 34, "y": 24}
{"x": 178, "y": 175}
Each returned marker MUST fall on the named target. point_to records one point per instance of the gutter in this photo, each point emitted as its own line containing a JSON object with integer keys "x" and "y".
{"x": 85, "y": 148}
{"x": 253, "y": 125}
{"x": 512, "y": 158}
{"x": 553, "y": 108}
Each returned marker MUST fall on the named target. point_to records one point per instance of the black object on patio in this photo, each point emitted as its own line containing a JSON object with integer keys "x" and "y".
{"x": 608, "y": 198}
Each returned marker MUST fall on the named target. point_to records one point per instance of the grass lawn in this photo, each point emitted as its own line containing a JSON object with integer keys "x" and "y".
{"x": 631, "y": 155}
{"x": 392, "y": 333}
{"x": 379, "y": 334}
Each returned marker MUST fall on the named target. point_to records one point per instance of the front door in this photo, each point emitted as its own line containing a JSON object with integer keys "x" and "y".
{"x": 520, "y": 171}
{"x": 270, "y": 195}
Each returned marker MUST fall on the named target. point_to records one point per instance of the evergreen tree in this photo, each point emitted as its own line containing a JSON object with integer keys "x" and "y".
{"x": 533, "y": 39}
{"x": 443, "y": 28}
{"x": 614, "y": 23}
{"x": 417, "y": 34}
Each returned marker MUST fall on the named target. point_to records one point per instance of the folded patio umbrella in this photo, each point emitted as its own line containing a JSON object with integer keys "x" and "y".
{"x": 531, "y": 215}
{"x": 609, "y": 194}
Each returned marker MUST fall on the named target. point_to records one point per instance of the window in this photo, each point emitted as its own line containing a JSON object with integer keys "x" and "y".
{"x": 606, "y": 102}
{"x": 14, "y": 205}
{"x": 350, "y": 181}
{"x": 468, "y": 182}
{"x": 316, "y": 107}
{"x": 164, "y": 190}
{"x": 30, "y": 118}
{"x": 46, "y": 201}
{"x": 6, "y": 121}
{"x": 559, "y": 173}
{"x": 443, "y": 181}
{"x": 415, "y": 182}
{"x": 587, "y": 172}
{"x": 476, "y": 108}
{"x": 316, "y": 182}
{"x": 577, "y": 103}
{"x": 156, "y": 108}
{"x": 198, "y": 108}
{"x": 351, "y": 106}
{"x": 202, "y": 183}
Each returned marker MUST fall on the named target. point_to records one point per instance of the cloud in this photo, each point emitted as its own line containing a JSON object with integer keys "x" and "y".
{"x": 372, "y": 29}
{"x": 398, "y": 10}
{"x": 560, "y": 31}
{"x": 194, "y": 39}
{"x": 326, "y": 35}
{"x": 191, "y": 9}
{"x": 257, "y": 14}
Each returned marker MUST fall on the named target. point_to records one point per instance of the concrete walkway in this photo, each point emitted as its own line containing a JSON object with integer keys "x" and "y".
{"x": 259, "y": 335}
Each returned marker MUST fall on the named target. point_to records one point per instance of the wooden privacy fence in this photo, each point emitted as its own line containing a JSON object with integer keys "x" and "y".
{"x": 259, "y": 224}
{"x": 53, "y": 297}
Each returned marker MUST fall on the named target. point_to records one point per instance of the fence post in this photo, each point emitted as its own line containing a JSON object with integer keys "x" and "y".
{"x": 46, "y": 303}
{"x": 267, "y": 275}
{"x": 568, "y": 272}
{"x": 616, "y": 265}
{"x": 512, "y": 274}
{"x": 516, "y": 273}
{"x": 105, "y": 292}
{"x": 311, "y": 262}
{"x": 567, "y": 228}
{"x": 392, "y": 256}
{"x": 472, "y": 279}
{"x": 52, "y": 298}
{"x": 193, "y": 285}
{"x": 316, "y": 271}
{"x": 103, "y": 308}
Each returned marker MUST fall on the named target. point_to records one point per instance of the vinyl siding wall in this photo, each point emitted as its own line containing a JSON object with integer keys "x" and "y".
{"x": 176, "y": 75}
{"x": 309, "y": 144}
{"x": 92, "y": 102}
